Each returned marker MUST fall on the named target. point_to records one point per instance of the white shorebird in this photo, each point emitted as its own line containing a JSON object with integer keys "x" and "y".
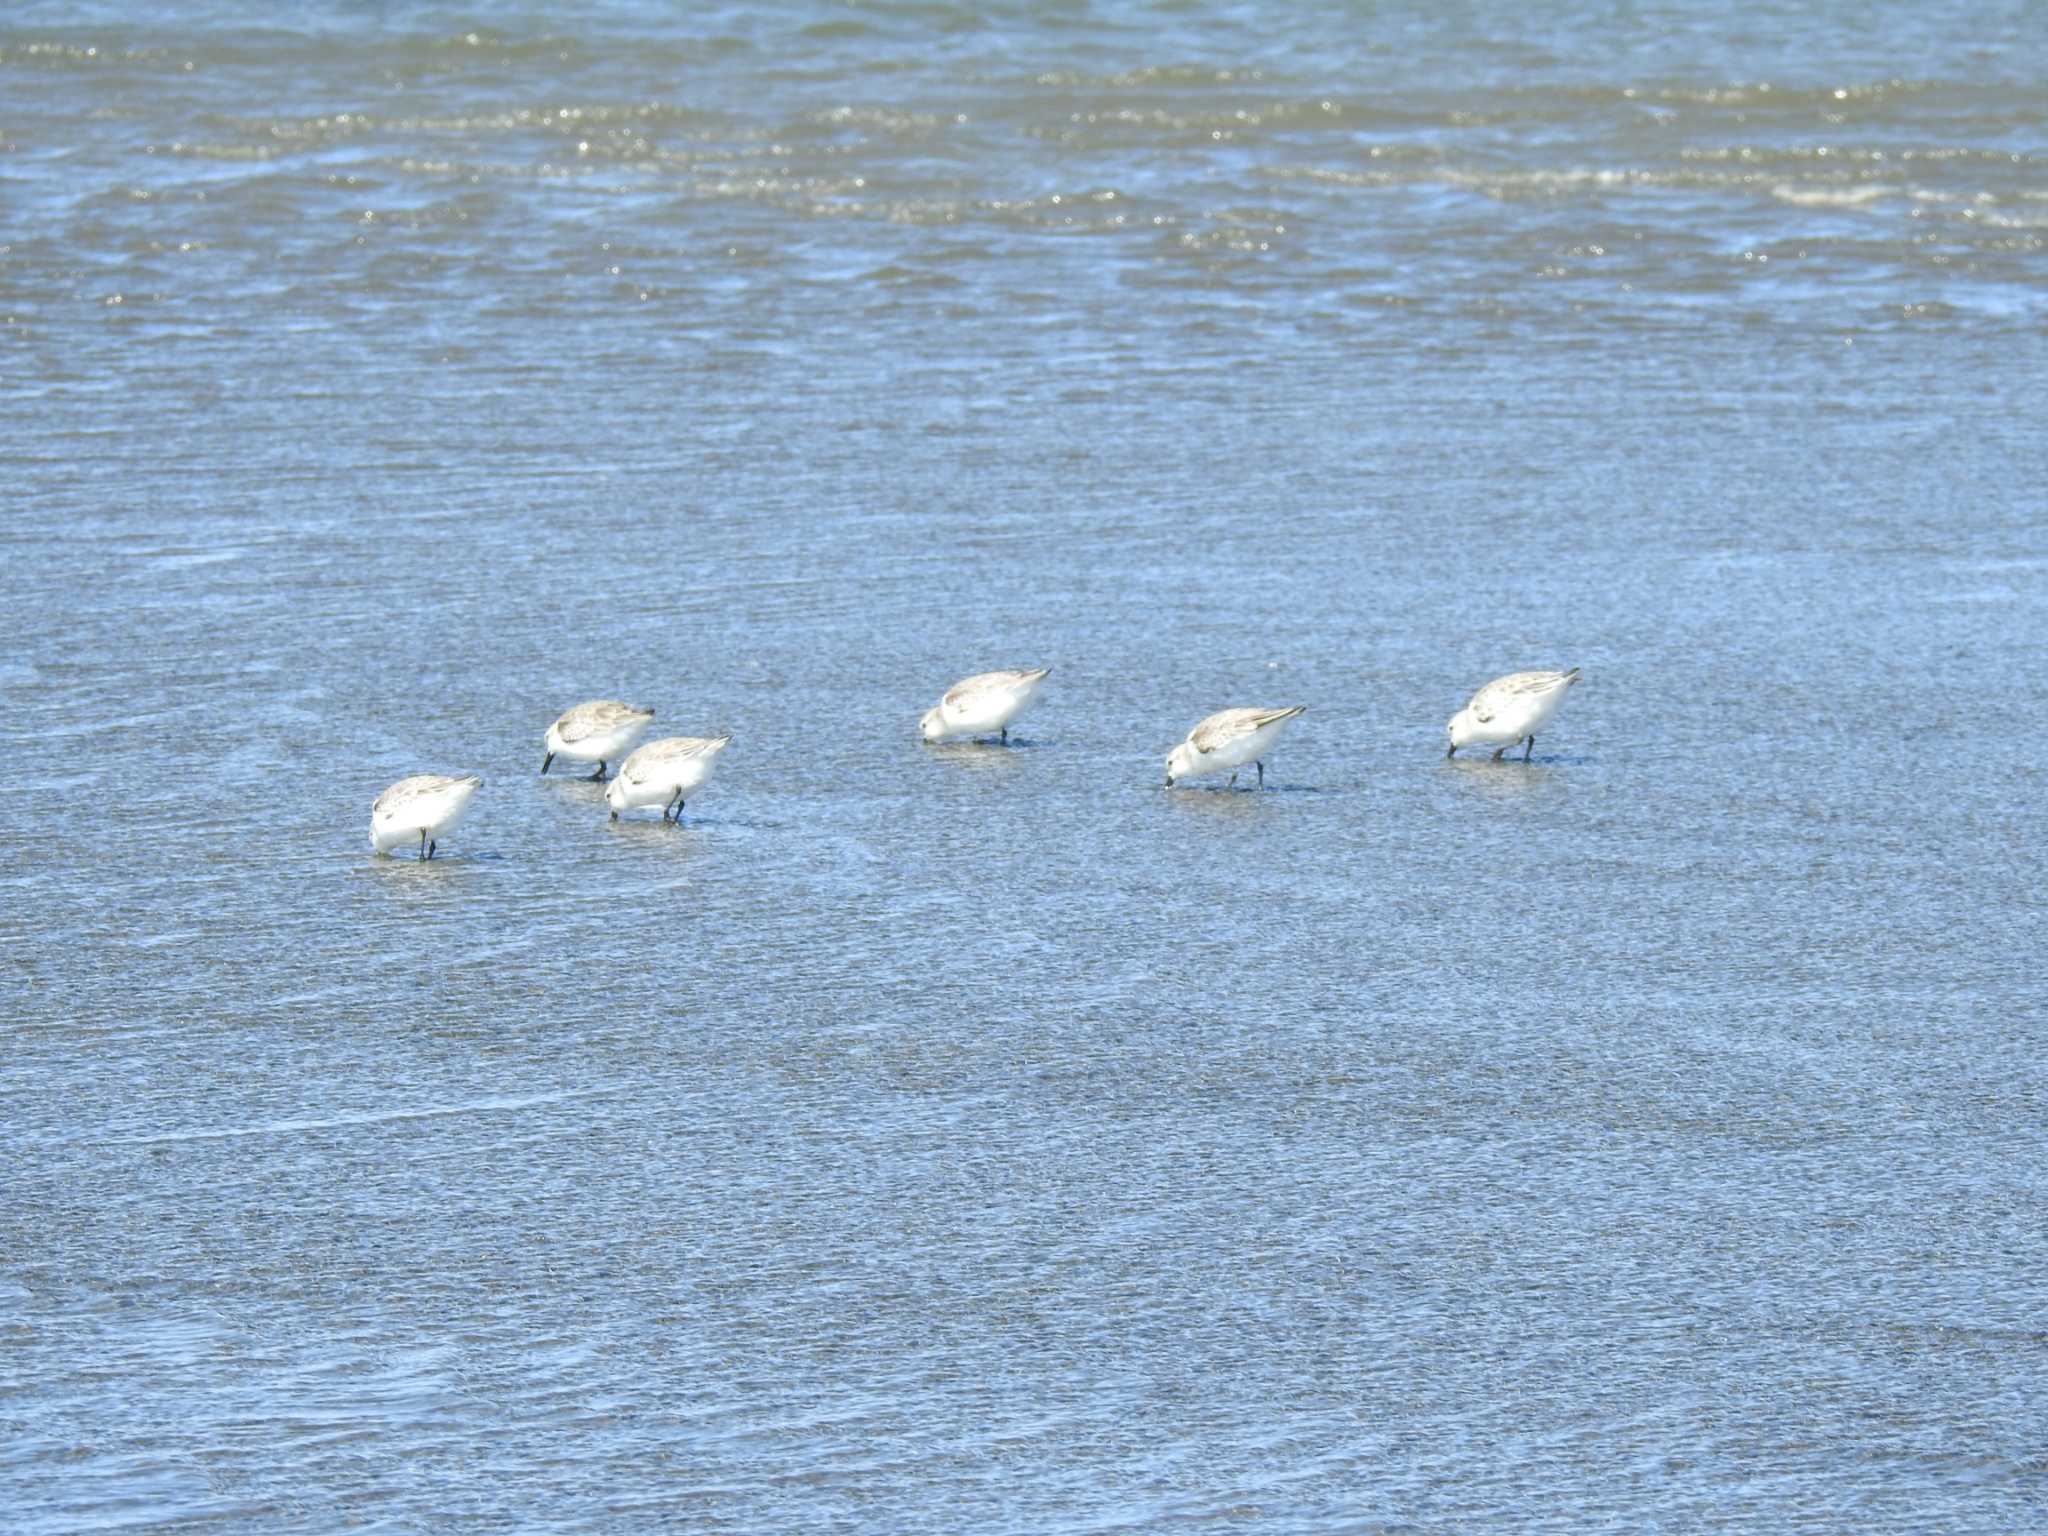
{"x": 664, "y": 772}
{"x": 1510, "y": 709}
{"x": 595, "y": 732}
{"x": 424, "y": 806}
{"x": 1229, "y": 739}
{"x": 987, "y": 701}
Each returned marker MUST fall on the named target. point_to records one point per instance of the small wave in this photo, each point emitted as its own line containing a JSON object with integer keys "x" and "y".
{"x": 1829, "y": 197}
{"x": 896, "y": 275}
{"x": 495, "y": 44}
{"x": 1222, "y": 123}
{"x": 55, "y": 55}
{"x": 371, "y": 1117}
{"x": 2012, "y": 220}
{"x": 178, "y": 559}
{"x": 836, "y": 31}
{"x": 872, "y": 119}
{"x": 567, "y": 118}
{"x": 1510, "y": 184}
{"x": 1764, "y": 94}
{"x": 1157, "y": 74}
{"x": 1767, "y": 155}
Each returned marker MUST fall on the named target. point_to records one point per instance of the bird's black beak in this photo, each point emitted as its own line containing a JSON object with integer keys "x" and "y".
{"x": 545, "y": 761}
{"x": 1453, "y": 751}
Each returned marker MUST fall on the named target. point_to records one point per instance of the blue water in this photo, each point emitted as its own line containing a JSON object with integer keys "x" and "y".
{"x": 982, "y": 1138}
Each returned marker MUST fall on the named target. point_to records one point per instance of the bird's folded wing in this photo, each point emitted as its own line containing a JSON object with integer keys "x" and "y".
{"x": 1220, "y": 730}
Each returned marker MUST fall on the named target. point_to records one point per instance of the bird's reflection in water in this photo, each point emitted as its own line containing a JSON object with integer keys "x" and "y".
{"x": 1509, "y": 779}
{"x": 995, "y": 758}
{"x": 1220, "y": 800}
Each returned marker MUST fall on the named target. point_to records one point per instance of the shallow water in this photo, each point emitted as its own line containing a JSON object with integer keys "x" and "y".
{"x": 932, "y": 1139}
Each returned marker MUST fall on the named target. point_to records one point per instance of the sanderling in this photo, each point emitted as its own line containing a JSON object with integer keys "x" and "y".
{"x": 595, "y": 732}
{"x": 1229, "y": 739}
{"x": 663, "y": 772}
{"x": 424, "y": 806}
{"x": 987, "y": 701}
{"x": 1509, "y": 709}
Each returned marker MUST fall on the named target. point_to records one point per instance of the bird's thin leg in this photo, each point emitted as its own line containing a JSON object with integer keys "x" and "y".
{"x": 431, "y": 845}
{"x": 1262, "y": 774}
{"x": 1528, "y": 749}
{"x": 680, "y": 803}
{"x": 1233, "y": 779}
{"x": 1006, "y": 736}
{"x": 1500, "y": 752}
{"x": 423, "y": 842}
{"x": 598, "y": 777}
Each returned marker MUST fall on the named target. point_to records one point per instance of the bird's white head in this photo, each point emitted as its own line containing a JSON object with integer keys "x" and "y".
{"x": 615, "y": 793}
{"x": 1180, "y": 762}
{"x": 932, "y": 726}
{"x": 1459, "y": 729}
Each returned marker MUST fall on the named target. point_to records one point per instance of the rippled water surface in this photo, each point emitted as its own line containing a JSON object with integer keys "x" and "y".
{"x": 928, "y": 1139}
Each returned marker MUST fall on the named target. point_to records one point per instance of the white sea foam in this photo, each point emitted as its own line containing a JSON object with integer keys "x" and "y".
{"x": 1830, "y": 197}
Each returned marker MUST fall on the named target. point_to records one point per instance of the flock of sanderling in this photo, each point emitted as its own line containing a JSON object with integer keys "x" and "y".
{"x": 1507, "y": 712}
